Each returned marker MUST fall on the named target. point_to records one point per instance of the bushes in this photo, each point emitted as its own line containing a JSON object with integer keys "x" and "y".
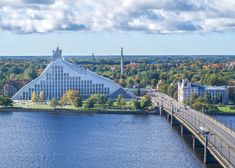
{"x": 5, "y": 101}
{"x": 144, "y": 103}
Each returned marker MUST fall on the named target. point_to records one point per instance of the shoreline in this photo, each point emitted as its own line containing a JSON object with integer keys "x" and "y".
{"x": 70, "y": 111}
{"x": 221, "y": 113}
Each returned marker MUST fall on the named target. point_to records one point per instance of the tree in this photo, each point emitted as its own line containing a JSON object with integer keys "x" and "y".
{"x": 110, "y": 103}
{"x": 193, "y": 97}
{"x": 78, "y": 101}
{"x": 207, "y": 97}
{"x": 130, "y": 82}
{"x": 5, "y": 101}
{"x": 146, "y": 101}
{"x": 89, "y": 103}
{"x": 99, "y": 99}
{"x": 199, "y": 103}
{"x": 120, "y": 100}
{"x": 74, "y": 98}
{"x": 136, "y": 105}
{"x": 63, "y": 100}
{"x": 42, "y": 96}
{"x": 102, "y": 99}
{"x": 53, "y": 103}
{"x": 34, "y": 97}
{"x": 30, "y": 73}
{"x": 171, "y": 90}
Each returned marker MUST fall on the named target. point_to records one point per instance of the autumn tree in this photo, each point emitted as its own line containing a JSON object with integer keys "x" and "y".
{"x": 34, "y": 97}
{"x": 42, "y": 96}
{"x": 74, "y": 98}
{"x": 63, "y": 100}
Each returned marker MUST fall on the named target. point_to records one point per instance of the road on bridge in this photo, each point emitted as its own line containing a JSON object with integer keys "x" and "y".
{"x": 221, "y": 138}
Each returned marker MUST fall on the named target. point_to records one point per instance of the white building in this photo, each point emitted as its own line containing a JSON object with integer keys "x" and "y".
{"x": 60, "y": 76}
{"x": 216, "y": 93}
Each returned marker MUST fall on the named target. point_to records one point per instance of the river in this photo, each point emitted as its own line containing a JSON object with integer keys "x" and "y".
{"x": 29, "y": 140}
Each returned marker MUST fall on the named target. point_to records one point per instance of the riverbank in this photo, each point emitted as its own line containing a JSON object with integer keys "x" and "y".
{"x": 221, "y": 113}
{"x": 226, "y": 109}
{"x": 78, "y": 111}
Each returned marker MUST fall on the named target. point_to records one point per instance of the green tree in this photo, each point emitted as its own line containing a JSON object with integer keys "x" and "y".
{"x": 136, "y": 105}
{"x": 130, "y": 82}
{"x": 120, "y": 100}
{"x": 30, "y": 73}
{"x": 99, "y": 99}
{"x": 89, "y": 103}
{"x": 110, "y": 103}
{"x": 207, "y": 97}
{"x": 146, "y": 101}
{"x": 5, "y": 101}
{"x": 54, "y": 103}
{"x": 199, "y": 103}
{"x": 171, "y": 90}
{"x": 193, "y": 97}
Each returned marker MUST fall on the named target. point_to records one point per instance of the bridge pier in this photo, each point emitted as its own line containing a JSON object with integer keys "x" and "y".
{"x": 196, "y": 143}
{"x": 208, "y": 157}
{"x": 161, "y": 110}
{"x": 174, "y": 121}
{"x": 168, "y": 116}
{"x": 189, "y": 120}
{"x": 184, "y": 130}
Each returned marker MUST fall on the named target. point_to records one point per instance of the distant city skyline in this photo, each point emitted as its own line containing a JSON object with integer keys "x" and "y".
{"x": 146, "y": 27}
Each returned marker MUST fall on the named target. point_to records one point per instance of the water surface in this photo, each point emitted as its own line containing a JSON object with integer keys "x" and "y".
{"x": 92, "y": 141}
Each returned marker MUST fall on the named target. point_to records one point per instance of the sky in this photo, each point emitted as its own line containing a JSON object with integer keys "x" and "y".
{"x": 142, "y": 27}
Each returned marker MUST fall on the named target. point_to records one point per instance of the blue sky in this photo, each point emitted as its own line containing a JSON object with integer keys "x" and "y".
{"x": 35, "y": 27}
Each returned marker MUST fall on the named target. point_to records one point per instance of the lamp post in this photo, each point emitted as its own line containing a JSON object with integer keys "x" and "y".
{"x": 205, "y": 132}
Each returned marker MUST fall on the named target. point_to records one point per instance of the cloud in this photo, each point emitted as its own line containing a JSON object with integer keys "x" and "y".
{"x": 40, "y": 1}
{"x": 150, "y": 16}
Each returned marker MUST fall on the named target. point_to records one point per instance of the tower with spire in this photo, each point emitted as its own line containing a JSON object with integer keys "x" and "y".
{"x": 57, "y": 54}
{"x": 122, "y": 60}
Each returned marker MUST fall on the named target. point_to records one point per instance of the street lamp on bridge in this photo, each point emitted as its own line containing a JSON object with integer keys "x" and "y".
{"x": 205, "y": 132}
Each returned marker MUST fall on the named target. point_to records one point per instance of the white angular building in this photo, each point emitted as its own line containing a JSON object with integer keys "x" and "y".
{"x": 216, "y": 93}
{"x": 60, "y": 76}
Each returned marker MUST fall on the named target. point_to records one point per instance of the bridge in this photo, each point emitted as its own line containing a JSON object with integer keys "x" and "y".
{"x": 217, "y": 140}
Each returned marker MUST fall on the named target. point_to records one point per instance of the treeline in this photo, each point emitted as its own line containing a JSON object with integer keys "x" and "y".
{"x": 73, "y": 98}
{"x": 5, "y": 101}
{"x": 144, "y": 72}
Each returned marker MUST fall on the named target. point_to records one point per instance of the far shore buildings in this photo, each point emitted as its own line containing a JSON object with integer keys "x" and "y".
{"x": 186, "y": 89}
{"x": 60, "y": 76}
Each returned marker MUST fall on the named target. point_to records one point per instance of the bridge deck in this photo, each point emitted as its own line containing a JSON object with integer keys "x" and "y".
{"x": 221, "y": 140}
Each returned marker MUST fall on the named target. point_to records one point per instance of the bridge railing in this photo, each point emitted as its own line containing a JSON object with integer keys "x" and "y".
{"x": 216, "y": 143}
{"x": 222, "y": 125}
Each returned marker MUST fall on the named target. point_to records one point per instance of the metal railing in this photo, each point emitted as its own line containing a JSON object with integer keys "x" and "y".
{"x": 220, "y": 146}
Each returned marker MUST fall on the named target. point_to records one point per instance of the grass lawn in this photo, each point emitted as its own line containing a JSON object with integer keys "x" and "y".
{"x": 40, "y": 106}
{"x": 30, "y": 105}
{"x": 226, "y": 109}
